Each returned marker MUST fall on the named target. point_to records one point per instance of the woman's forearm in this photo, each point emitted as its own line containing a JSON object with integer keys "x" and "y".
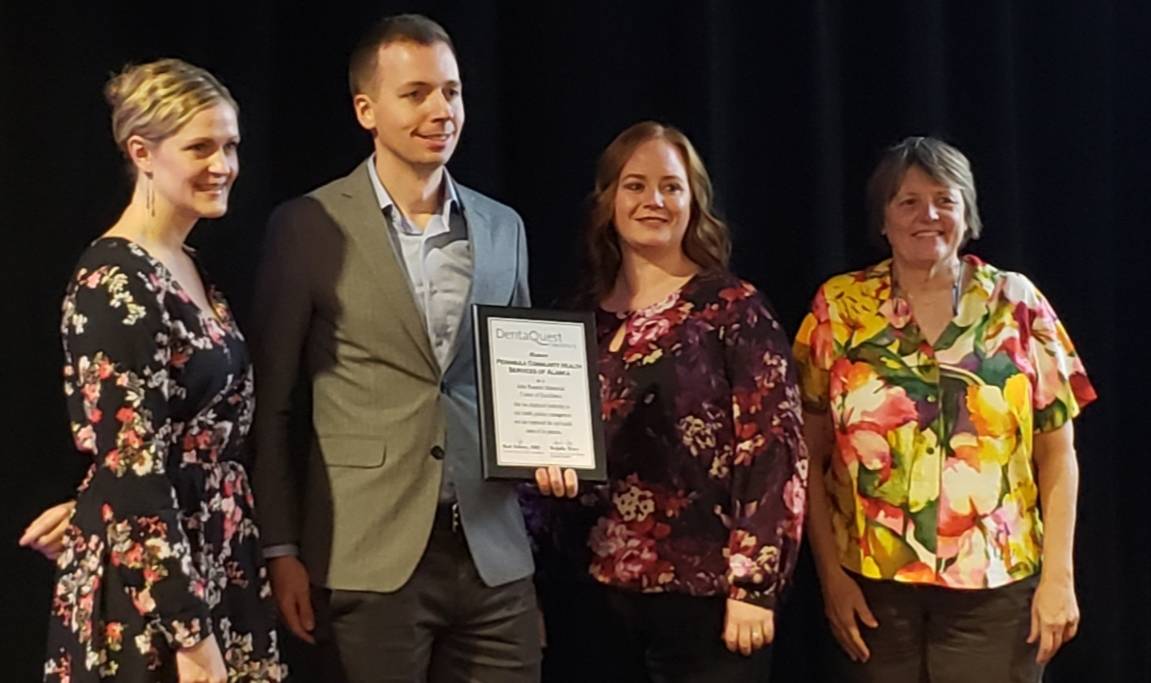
{"x": 1058, "y": 475}
{"x": 818, "y": 435}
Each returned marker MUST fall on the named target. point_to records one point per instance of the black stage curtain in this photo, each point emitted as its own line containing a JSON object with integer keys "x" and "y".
{"x": 789, "y": 103}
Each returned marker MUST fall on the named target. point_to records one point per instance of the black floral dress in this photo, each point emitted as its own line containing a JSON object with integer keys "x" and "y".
{"x": 162, "y": 550}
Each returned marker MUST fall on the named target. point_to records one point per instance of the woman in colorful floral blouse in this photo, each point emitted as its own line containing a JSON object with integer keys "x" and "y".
{"x": 697, "y": 530}
{"x": 160, "y": 575}
{"x": 939, "y": 393}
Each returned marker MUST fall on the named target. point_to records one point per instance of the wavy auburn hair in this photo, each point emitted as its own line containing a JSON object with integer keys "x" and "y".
{"x": 707, "y": 241}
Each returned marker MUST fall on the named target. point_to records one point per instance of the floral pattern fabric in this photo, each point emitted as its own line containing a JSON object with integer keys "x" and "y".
{"x": 932, "y": 479}
{"x": 162, "y": 549}
{"x": 706, "y": 463}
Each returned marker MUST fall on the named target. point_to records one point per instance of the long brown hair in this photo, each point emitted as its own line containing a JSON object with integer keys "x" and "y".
{"x": 706, "y": 242}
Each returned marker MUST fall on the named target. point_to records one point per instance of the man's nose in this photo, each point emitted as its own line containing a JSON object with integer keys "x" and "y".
{"x": 441, "y": 106}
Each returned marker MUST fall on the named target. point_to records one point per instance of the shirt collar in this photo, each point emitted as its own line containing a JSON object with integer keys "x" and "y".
{"x": 980, "y": 285}
{"x": 451, "y": 196}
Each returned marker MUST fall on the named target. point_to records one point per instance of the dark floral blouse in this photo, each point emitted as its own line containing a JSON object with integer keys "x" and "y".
{"x": 706, "y": 462}
{"x": 162, "y": 550}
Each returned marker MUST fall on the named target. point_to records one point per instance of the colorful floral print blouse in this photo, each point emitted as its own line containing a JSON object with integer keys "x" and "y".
{"x": 162, "y": 550}
{"x": 706, "y": 462}
{"x": 932, "y": 479}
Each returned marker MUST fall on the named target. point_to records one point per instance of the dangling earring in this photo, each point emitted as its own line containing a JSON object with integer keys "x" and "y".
{"x": 150, "y": 196}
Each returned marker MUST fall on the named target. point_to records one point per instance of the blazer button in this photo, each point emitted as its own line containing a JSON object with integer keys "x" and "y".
{"x": 437, "y": 452}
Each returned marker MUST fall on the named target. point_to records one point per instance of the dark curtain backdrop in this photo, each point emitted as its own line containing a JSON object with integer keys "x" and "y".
{"x": 789, "y": 103}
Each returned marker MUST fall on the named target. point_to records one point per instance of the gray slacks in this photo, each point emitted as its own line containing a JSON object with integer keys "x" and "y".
{"x": 443, "y": 626}
{"x": 931, "y": 634}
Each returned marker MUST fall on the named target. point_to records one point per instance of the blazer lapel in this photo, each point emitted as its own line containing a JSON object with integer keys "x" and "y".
{"x": 492, "y": 275}
{"x": 365, "y": 223}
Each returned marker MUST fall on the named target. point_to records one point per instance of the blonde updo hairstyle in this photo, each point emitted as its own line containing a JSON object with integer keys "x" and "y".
{"x": 156, "y": 99}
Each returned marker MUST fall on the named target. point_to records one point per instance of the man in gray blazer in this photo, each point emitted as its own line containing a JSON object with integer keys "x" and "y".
{"x": 419, "y": 569}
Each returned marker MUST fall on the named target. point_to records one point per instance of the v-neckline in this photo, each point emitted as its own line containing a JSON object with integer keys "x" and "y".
{"x": 898, "y": 298}
{"x": 212, "y": 314}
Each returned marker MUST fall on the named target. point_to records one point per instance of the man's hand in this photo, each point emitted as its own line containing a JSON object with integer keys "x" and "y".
{"x": 844, "y": 603}
{"x": 292, "y": 590}
{"x": 747, "y": 627}
{"x": 45, "y": 534}
{"x": 554, "y": 483}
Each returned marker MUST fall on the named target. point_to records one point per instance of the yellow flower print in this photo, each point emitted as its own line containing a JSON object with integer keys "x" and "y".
{"x": 926, "y": 463}
{"x": 1017, "y": 392}
{"x": 856, "y": 304}
{"x": 989, "y": 411}
{"x": 888, "y": 552}
{"x": 1001, "y": 418}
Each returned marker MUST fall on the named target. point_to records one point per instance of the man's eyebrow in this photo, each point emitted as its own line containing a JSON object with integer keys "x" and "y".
{"x": 426, "y": 84}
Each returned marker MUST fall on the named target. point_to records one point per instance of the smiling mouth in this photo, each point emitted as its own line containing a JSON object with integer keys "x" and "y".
{"x": 436, "y": 137}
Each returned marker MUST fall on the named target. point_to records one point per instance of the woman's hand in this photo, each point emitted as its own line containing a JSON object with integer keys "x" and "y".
{"x": 1054, "y": 617}
{"x": 747, "y": 627}
{"x": 1054, "y": 609}
{"x": 45, "y": 534}
{"x": 201, "y": 663}
{"x": 552, "y": 482}
{"x": 843, "y": 602}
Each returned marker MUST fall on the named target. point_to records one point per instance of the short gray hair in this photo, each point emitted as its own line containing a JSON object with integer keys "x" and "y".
{"x": 943, "y": 162}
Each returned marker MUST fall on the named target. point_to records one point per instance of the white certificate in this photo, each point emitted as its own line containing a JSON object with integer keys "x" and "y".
{"x": 539, "y": 392}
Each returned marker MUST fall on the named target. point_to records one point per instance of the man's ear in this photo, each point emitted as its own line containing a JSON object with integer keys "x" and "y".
{"x": 365, "y": 111}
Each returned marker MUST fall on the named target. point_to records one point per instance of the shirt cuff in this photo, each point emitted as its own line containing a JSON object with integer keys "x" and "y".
{"x": 281, "y": 550}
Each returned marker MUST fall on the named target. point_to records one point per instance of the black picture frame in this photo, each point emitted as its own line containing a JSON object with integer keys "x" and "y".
{"x": 492, "y": 468}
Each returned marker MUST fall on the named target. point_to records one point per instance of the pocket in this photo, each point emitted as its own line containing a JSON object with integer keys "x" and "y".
{"x": 342, "y": 450}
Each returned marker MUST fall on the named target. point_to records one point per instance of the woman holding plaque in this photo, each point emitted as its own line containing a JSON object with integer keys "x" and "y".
{"x": 940, "y": 394}
{"x": 697, "y": 530}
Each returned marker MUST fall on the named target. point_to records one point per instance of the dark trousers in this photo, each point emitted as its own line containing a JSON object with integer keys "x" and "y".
{"x": 443, "y": 626}
{"x": 930, "y": 634}
{"x": 601, "y": 634}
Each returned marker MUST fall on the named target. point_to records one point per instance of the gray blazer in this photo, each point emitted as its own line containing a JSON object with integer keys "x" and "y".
{"x": 357, "y": 488}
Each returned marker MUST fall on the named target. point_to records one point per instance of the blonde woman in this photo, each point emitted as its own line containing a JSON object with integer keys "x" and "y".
{"x": 159, "y": 574}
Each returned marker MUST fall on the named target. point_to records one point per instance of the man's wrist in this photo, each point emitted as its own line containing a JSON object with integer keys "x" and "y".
{"x": 271, "y": 552}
